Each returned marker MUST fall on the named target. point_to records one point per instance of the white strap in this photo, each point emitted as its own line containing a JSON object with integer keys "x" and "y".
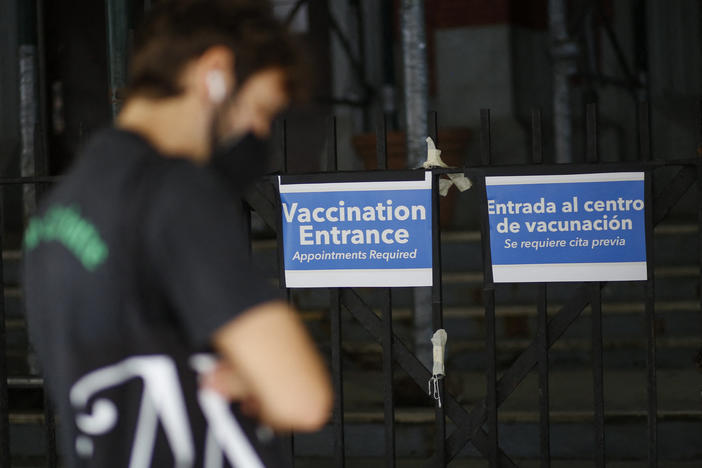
{"x": 461, "y": 182}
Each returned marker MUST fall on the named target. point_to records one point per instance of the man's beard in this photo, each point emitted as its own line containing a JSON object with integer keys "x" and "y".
{"x": 218, "y": 137}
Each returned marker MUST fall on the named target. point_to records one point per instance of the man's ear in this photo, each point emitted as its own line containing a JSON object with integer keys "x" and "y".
{"x": 214, "y": 75}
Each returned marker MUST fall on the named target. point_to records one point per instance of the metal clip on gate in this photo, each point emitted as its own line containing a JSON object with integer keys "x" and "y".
{"x": 438, "y": 342}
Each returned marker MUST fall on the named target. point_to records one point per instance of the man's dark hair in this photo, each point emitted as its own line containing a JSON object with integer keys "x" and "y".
{"x": 178, "y": 31}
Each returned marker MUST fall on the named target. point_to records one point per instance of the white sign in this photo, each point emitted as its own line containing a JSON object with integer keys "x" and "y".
{"x": 573, "y": 227}
{"x": 357, "y": 233}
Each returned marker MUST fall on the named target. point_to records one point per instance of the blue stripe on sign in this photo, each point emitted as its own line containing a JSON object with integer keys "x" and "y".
{"x": 387, "y": 229}
{"x": 539, "y": 224}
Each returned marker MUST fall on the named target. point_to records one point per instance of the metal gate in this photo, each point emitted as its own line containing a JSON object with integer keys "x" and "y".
{"x": 478, "y": 425}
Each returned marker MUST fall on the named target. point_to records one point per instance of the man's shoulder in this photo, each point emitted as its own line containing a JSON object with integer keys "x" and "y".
{"x": 114, "y": 140}
{"x": 106, "y": 158}
{"x": 114, "y": 151}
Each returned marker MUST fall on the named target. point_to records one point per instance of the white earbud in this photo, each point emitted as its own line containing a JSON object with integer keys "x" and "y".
{"x": 216, "y": 86}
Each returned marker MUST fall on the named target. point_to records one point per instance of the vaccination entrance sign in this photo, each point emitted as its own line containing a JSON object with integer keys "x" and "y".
{"x": 571, "y": 227}
{"x": 356, "y": 232}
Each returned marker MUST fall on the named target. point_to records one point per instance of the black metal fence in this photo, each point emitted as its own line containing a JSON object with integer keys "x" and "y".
{"x": 477, "y": 425}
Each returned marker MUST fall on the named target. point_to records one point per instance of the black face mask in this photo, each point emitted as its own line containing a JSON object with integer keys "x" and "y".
{"x": 241, "y": 162}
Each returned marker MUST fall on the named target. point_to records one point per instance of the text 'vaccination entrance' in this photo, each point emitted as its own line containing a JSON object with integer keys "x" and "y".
{"x": 357, "y": 233}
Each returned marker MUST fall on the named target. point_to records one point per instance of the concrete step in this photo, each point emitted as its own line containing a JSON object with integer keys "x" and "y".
{"x": 400, "y": 314}
{"x": 571, "y": 390}
{"x": 679, "y": 392}
{"x": 404, "y": 314}
{"x": 668, "y": 311}
{"x": 428, "y": 415}
{"x": 469, "y": 354}
{"x": 679, "y": 440}
{"x": 379, "y": 462}
{"x": 679, "y": 330}
{"x": 679, "y": 435}
{"x": 680, "y": 426}
{"x": 677, "y": 278}
{"x": 466, "y": 289}
{"x": 621, "y": 320}
{"x": 27, "y": 438}
{"x": 672, "y": 353}
{"x": 30, "y": 462}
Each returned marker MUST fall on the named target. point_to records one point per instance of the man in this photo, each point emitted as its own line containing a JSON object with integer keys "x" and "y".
{"x": 141, "y": 303}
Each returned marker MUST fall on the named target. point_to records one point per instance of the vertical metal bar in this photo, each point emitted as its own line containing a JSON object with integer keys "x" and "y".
{"x": 543, "y": 366}
{"x": 41, "y": 163}
{"x": 644, "y": 131}
{"x": 415, "y": 74}
{"x": 416, "y": 80}
{"x": 4, "y": 406}
{"x": 433, "y": 123}
{"x": 699, "y": 199}
{"x": 388, "y": 103}
{"x": 117, "y": 29}
{"x": 332, "y": 154}
{"x": 337, "y": 379}
{"x": 485, "y": 138}
{"x": 597, "y": 373}
{"x": 29, "y": 105}
{"x": 34, "y": 161}
{"x": 592, "y": 156}
{"x": 652, "y": 385}
{"x": 41, "y": 167}
{"x": 650, "y": 307}
{"x": 246, "y": 210}
{"x": 437, "y": 317}
{"x": 640, "y": 14}
{"x": 284, "y": 144}
{"x": 565, "y": 52}
{"x": 389, "y": 401}
{"x": 381, "y": 142}
{"x": 592, "y": 153}
{"x": 288, "y": 442}
{"x": 389, "y": 396}
{"x": 335, "y": 310}
{"x": 50, "y": 427}
{"x": 279, "y": 222}
{"x": 537, "y": 153}
{"x": 489, "y": 299}
{"x": 542, "y": 319}
{"x": 361, "y": 35}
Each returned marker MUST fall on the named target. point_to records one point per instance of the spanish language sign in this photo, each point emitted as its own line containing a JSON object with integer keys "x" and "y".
{"x": 574, "y": 227}
{"x": 357, "y": 233}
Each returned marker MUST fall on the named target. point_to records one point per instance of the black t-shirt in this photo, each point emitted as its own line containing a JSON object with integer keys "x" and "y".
{"x": 131, "y": 264}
